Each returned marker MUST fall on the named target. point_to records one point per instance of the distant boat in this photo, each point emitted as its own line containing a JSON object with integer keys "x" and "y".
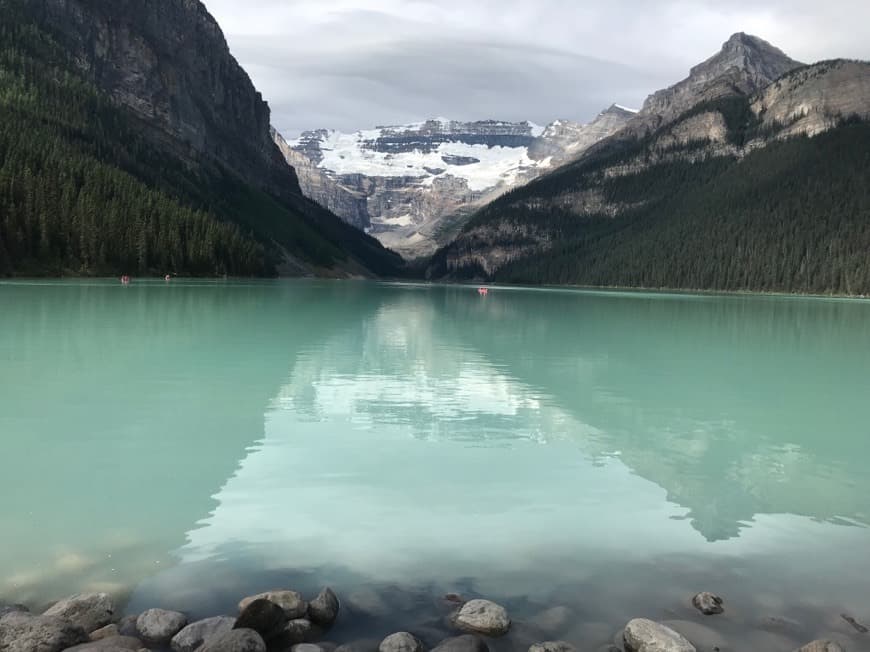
{"x": 483, "y": 291}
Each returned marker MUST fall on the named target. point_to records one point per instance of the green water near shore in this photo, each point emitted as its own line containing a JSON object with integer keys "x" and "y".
{"x": 190, "y": 442}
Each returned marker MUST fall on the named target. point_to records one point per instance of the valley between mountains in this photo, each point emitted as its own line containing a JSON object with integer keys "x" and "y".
{"x": 132, "y": 142}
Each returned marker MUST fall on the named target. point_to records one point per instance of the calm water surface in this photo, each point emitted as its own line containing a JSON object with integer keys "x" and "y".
{"x": 188, "y": 444}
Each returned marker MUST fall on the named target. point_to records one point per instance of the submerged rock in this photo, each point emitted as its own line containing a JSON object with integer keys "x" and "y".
{"x": 237, "y": 640}
{"x": 822, "y": 646}
{"x": 202, "y": 631}
{"x": 265, "y": 617}
{"x": 708, "y": 603}
{"x": 482, "y": 617}
{"x": 291, "y": 602}
{"x": 308, "y": 647}
{"x": 108, "y": 631}
{"x": 362, "y": 645}
{"x": 298, "y": 630}
{"x": 90, "y": 611}
{"x": 465, "y": 643}
{"x": 701, "y": 636}
{"x": 21, "y": 631}
{"x": 158, "y": 626}
{"x": 401, "y": 642}
{"x": 642, "y": 635}
{"x": 553, "y": 621}
{"x": 553, "y": 646}
{"x": 323, "y": 610}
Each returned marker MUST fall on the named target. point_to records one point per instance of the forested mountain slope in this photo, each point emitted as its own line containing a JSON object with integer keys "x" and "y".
{"x": 750, "y": 188}
{"x": 132, "y": 142}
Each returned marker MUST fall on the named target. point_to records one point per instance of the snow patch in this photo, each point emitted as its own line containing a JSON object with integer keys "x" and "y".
{"x": 625, "y": 108}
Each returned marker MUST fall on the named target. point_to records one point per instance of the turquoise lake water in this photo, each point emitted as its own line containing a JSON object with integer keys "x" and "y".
{"x": 186, "y": 444}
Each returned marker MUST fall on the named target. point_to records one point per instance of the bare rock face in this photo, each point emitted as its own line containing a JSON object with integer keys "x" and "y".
{"x": 25, "y": 632}
{"x": 483, "y": 617}
{"x": 168, "y": 63}
{"x": 642, "y": 635}
{"x": 90, "y": 611}
{"x": 745, "y": 64}
{"x": 812, "y": 99}
{"x": 348, "y": 203}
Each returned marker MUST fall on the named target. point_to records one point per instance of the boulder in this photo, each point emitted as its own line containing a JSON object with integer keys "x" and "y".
{"x": 202, "y": 631}
{"x": 21, "y": 631}
{"x": 158, "y": 626}
{"x": 553, "y": 621}
{"x": 236, "y": 640}
{"x": 553, "y": 646}
{"x": 90, "y": 611}
{"x": 482, "y": 617}
{"x": 108, "y": 631}
{"x": 111, "y": 644}
{"x": 708, "y": 603}
{"x": 323, "y": 610}
{"x": 265, "y": 617}
{"x": 821, "y": 646}
{"x": 642, "y": 635}
{"x": 466, "y": 643}
{"x": 401, "y": 642}
{"x": 368, "y": 602}
{"x": 291, "y": 602}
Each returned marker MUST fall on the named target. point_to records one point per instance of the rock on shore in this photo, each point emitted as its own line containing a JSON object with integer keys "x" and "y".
{"x": 90, "y": 611}
{"x": 642, "y": 635}
{"x": 158, "y": 626}
{"x": 202, "y": 631}
{"x": 21, "y": 631}
{"x": 482, "y": 617}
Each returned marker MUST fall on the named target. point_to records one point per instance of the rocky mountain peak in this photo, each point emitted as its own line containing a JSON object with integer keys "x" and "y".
{"x": 759, "y": 60}
{"x": 745, "y": 64}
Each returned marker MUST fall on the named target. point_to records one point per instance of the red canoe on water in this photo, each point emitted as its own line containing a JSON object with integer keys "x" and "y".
{"x": 483, "y": 291}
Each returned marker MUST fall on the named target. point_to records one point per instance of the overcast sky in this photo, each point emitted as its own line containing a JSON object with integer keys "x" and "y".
{"x": 352, "y": 64}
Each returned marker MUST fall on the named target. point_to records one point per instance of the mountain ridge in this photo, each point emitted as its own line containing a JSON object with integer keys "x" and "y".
{"x": 601, "y": 219}
{"x": 131, "y": 141}
{"x": 420, "y": 181}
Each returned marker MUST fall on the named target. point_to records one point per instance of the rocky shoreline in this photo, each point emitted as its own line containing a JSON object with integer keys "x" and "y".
{"x": 284, "y": 621}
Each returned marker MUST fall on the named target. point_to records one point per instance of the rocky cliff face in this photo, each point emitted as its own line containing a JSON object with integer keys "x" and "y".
{"x": 351, "y": 205}
{"x": 420, "y": 181}
{"x": 812, "y": 99}
{"x": 169, "y": 64}
{"x": 744, "y": 65}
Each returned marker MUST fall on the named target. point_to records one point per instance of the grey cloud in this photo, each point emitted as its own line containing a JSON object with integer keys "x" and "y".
{"x": 351, "y": 64}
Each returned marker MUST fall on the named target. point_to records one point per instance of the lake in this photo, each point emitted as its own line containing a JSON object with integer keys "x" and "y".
{"x": 185, "y": 444}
